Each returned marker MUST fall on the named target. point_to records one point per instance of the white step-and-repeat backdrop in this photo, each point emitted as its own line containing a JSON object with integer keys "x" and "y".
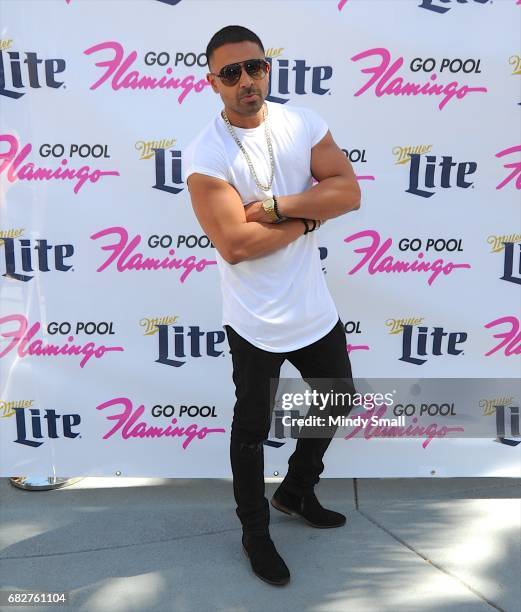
{"x": 112, "y": 354}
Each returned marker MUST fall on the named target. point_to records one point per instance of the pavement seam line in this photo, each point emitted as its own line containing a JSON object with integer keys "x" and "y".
{"x": 426, "y": 559}
{"x": 355, "y": 492}
{"x": 123, "y": 546}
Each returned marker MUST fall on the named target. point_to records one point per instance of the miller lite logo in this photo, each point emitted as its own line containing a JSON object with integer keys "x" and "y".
{"x": 19, "y": 71}
{"x": 419, "y": 342}
{"x": 19, "y": 257}
{"x": 428, "y": 172}
{"x": 30, "y": 429}
{"x": 175, "y": 343}
{"x": 289, "y": 77}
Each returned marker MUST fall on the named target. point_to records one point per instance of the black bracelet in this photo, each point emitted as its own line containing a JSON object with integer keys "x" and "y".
{"x": 314, "y": 226}
{"x": 276, "y": 209}
{"x": 306, "y": 225}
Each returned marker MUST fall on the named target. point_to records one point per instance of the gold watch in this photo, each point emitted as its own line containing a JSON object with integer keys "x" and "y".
{"x": 269, "y": 206}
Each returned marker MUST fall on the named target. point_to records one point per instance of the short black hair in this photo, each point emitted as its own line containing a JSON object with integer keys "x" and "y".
{"x": 231, "y": 34}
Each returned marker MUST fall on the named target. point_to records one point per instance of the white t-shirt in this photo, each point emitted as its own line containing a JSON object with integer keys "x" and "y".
{"x": 279, "y": 302}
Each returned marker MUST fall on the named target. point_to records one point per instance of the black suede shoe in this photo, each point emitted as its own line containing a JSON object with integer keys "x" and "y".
{"x": 308, "y": 507}
{"x": 266, "y": 562}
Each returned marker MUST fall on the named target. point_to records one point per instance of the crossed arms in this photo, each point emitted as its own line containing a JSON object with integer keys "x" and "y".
{"x": 240, "y": 233}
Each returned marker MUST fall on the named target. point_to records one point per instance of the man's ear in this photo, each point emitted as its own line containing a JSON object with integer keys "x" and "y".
{"x": 211, "y": 80}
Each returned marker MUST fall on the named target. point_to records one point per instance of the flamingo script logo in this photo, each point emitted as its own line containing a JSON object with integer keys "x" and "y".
{"x": 13, "y": 164}
{"x": 387, "y": 82}
{"x": 117, "y": 70}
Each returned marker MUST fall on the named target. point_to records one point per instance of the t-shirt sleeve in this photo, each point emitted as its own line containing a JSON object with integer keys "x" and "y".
{"x": 316, "y": 126}
{"x": 204, "y": 159}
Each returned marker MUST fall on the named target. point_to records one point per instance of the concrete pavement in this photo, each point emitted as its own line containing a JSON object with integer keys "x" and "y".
{"x": 162, "y": 545}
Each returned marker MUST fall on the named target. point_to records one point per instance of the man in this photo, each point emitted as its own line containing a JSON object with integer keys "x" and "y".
{"x": 250, "y": 175}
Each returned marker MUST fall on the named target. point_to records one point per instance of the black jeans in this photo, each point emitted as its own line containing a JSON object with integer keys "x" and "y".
{"x": 252, "y": 370}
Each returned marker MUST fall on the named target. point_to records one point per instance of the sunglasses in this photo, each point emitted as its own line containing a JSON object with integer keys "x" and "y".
{"x": 231, "y": 73}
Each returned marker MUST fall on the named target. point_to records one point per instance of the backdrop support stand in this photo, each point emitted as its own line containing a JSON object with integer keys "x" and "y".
{"x": 41, "y": 483}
